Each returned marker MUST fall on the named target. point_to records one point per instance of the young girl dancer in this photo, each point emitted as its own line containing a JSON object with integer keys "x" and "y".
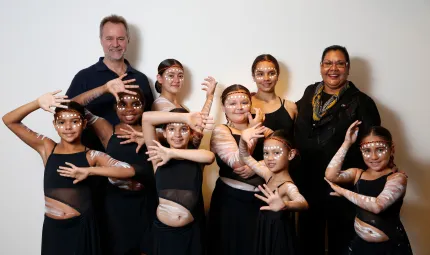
{"x": 279, "y": 113}
{"x": 69, "y": 226}
{"x": 234, "y": 210}
{"x": 275, "y": 226}
{"x": 178, "y": 175}
{"x": 170, "y": 79}
{"x": 378, "y": 193}
{"x": 126, "y": 231}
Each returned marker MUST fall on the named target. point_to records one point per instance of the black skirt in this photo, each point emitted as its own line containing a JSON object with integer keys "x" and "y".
{"x": 276, "y": 234}
{"x": 75, "y": 236}
{"x": 128, "y": 220}
{"x": 391, "y": 247}
{"x": 184, "y": 240}
{"x": 232, "y": 221}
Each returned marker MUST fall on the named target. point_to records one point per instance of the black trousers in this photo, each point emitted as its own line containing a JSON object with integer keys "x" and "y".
{"x": 334, "y": 213}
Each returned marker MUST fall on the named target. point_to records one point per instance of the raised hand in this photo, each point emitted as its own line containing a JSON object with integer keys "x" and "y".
{"x": 117, "y": 86}
{"x": 159, "y": 152}
{"x": 253, "y": 132}
{"x": 352, "y": 133}
{"x": 273, "y": 199}
{"x": 50, "y": 99}
{"x": 132, "y": 136}
{"x": 79, "y": 173}
{"x": 195, "y": 121}
{"x": 209, "y": 85}
{"x": 259, "y": 117}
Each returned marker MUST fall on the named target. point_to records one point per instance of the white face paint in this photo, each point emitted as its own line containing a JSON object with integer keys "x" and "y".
{"x": 123, "y": 104}
{"x": 237, "y": 101}
{"x": 63, "y": 119}
{"x": 277, "y": 151}
{"x": 170, "y": 74}
{"x": 259, "y": 73}
{"x": 380, "y": 147}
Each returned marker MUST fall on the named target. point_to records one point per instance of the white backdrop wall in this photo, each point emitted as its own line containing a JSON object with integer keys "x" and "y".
{"x": 44, "y": 44}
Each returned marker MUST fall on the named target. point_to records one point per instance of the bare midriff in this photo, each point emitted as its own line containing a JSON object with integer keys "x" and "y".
{"x": 58, "y": 210}
{"x": 239, "y": 185}
{"x": 126, "y": 184}
{"x": 173, "y": 214}
{"x": 368, "y": 232}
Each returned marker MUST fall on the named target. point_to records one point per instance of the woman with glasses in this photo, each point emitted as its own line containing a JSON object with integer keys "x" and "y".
{"x": 325, "y": 112}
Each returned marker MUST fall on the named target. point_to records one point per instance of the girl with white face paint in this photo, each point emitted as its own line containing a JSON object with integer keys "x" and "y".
{"x": 378, "y": 193}
{"x": 178, "y": 174}
{"x": 234, "y": 209}
{"x": 279, "y": 113}
{"x": 170, "y": 79}
{"x": 276, "y": 233}
{"x": 126, "y": 230}
{"x": 69, "y": 226}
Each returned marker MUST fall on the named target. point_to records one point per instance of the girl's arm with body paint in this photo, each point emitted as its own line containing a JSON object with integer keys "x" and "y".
{"x": 13, "y": 120}
{"x": 275, "y": 202}
{"x": 102, "y": 127}
{"x": 163, "y": 154}
{"x": 101, "y": 164}
{"x": 223, "y": 144}
{"x": 154, "y": 118}
{"x": 394, "y": 189}
{"x": 209, "y": 86}
{"x": 247, "y": 135}
{"x": 334, "y": 171}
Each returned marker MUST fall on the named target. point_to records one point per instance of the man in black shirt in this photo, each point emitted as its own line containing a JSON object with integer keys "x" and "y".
{"x": 114, "y": 38}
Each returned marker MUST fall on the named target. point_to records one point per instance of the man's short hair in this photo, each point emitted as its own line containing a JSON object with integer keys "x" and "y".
{"x": 116, "y": 19}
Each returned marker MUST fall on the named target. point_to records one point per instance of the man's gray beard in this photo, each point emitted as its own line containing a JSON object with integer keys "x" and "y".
{"x": 112, "y": 59}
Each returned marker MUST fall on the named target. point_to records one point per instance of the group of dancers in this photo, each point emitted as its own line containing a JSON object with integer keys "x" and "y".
{"x": 151, "y": 170}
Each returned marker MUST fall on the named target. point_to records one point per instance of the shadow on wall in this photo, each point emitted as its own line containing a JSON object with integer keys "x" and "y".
{"x": 414, "y": 214}
{"x": 133, "y": 50}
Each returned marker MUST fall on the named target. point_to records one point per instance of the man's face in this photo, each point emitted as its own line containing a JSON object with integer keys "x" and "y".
{"x": 114, "y": 40}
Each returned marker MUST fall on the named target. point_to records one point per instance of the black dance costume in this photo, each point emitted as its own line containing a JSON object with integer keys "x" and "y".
{"x": 276, "y": 234}
{"x": 77, "y": 235}
{"x": 387, "y": 221}
{"x": 233, "y": 213}
{"x": 180, "y": 181}
{"x": 129, "y": 213}
{"x": 280, "y": 119}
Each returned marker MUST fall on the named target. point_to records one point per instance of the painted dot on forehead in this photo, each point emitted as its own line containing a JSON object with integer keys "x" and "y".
{"x": 67, "y": 115}
{"x": 271, "y": 148}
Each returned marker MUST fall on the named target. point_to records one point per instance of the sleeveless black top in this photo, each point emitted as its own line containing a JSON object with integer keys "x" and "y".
{"x": 386, "y": 221}
{"x": 62, "y": 188}
{"x": 127, "y": 153}
{"x": 226, "y": 171}
{"x": 180, "y": 181}
{"x": 280, "y": 119}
